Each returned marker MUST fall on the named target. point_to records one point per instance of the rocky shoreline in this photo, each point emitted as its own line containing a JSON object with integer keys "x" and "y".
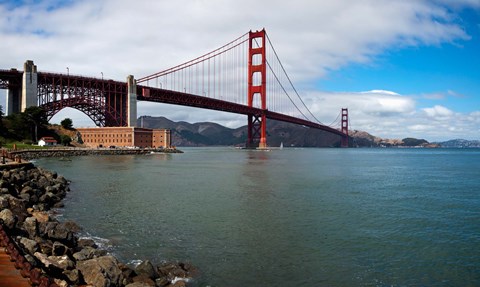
{"x": 50, "y": 252}
{"x": 68, "y": 152}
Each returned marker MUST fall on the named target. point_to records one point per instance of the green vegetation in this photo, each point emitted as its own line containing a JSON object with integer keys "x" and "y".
{"x": 67, "y": 124}
{"x": 414, "y": 142}
{"x": 26, "y": 128}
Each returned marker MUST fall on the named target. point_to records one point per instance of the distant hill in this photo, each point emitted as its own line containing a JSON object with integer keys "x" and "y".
{"x": 291, "y": 135}
{"x": 212, "y": 134}
{"x": 460, "y": 143}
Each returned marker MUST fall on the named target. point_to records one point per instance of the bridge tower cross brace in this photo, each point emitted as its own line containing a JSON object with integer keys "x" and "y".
{"x": 257, "y": 74}
{"x": 345, "y": 127}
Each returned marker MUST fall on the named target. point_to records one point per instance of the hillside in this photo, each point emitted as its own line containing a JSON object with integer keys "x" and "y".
{"x": 460, "y": 143}
{"x": 291, "y": 135}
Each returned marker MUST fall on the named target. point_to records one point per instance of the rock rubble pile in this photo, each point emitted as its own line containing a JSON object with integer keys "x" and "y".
{"x": 50, "y": 253}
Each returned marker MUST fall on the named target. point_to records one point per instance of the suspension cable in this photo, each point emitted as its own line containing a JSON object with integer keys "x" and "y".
{"x": 288, "y": 78}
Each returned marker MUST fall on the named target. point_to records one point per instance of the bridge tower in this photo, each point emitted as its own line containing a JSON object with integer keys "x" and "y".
{"x": 345, "y": 127}
{"x": 257, "y": 74}
{"x": 29, "y": 86}
{"x": 131, "y": 101}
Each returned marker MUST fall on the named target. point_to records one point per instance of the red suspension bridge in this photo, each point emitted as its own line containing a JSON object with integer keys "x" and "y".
{"x": 244, "y": 76}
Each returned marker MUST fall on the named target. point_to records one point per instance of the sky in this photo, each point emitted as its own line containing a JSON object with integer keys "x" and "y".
{"x": 403, "y": 68}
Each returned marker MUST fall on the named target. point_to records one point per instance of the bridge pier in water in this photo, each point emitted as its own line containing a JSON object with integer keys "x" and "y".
{"x": 257, "y": 87}
{"x": 344, "y": 126}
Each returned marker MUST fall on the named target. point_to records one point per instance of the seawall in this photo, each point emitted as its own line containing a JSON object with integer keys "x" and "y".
{"x": 68, "y": 152}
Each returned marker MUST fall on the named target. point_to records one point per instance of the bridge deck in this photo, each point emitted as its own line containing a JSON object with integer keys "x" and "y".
{"x": 9, "y": 276}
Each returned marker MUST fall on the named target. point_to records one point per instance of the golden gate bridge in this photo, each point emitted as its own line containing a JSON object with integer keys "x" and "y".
{"x": 244, "y": 76}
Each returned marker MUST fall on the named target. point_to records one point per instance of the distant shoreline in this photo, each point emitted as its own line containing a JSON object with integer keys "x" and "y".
{"x": 28, "y": 154}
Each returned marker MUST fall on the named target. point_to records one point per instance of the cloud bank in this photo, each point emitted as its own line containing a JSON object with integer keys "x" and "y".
{"x": 118, "y": 37}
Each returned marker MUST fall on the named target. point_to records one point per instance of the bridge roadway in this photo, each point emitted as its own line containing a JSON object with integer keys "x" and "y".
{"x": 13, "y": 78}
{"x": 145, "y": 93}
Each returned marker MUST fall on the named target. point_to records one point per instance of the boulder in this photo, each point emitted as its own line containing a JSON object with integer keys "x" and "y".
{"x": 45, "y": 227}
{"x": 18, "y": 207}
{"x": 144, "y": 280}
{"x": 84, "y": 242}
{"x": 71, "y": 226}
{"x": 88, "y": 253}
{"x": 73, "y": 276}
{"x": 30, "y": 226}
{"x": 41, "y": 216}
{"x": 101, "y": 272}
{"x": 138, "y": 284}
{"x": 28, "y": 190}
{"x": 171, "y": 270}
{"x": 42, "y": 182}
{"x": 62, "y": 233}
{"x": 46, "y": 246}
{"x": 4, "y": 201}
{"x": 146, "y": 268}
{"x": 60, "y": 262}
{"x": 30, "y": 245}
{"x": 178, "y": 284}
{"x": 162, "y": 281}
{"x": 60, "y": 283}
{"x": 8, "y": 218}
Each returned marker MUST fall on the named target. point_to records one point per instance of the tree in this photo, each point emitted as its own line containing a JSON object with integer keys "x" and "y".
{"x": 67, "y": 123}
{"x": 36, "y": 118}
{"x": 66, "y": 140}
{"x": 2, "y": 127}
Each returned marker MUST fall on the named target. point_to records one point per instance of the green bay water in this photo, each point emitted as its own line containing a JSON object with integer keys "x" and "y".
{"x": 291, "y": 217}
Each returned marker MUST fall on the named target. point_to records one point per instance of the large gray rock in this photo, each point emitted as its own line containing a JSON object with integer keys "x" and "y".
{"x": 8, "y": 218}
{"x": 101, "y": 272}
{"x": 146, "y": 268}
{"x": 30, "y": 245}
{"x": 30, "y": 226}
{"x": 138, "y": 284}
{"x": 4, "y": 201}
{"x": 89, "y": 253}
{"x": 18, "y": 207}
{"x": 84, "y": 242}
{"x": 61, "y": 232}
{"x": 72, "y": 275}
{"x": 60, "y": 262}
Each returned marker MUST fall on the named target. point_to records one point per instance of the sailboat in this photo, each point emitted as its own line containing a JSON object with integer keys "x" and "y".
{"x": 281, "y": 145}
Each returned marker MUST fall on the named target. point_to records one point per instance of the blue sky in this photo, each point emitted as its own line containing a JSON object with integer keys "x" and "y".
{"x": 403, "y": 68}
{"x": 448, "y": 70}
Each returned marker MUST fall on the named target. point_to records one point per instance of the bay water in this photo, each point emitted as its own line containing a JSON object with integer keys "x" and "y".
{"x": 290, "y": 217}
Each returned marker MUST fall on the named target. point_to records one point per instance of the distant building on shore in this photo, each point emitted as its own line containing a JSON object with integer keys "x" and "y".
{"x": 47, "y": 141}
{"x": 125, "y": 137}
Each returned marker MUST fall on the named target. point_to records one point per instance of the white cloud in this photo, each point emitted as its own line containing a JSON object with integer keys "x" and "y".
{"x": 120, "y": 37}
{"x": 438, "y": 112}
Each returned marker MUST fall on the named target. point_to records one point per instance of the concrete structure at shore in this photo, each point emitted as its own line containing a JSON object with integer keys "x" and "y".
{"x": 125, "y": 137}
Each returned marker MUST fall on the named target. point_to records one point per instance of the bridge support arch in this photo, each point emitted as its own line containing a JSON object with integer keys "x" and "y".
{"x": 257, "y": 74}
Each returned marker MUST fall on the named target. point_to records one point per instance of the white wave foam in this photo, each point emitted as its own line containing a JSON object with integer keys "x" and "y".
{"x": 176, "y": 279}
